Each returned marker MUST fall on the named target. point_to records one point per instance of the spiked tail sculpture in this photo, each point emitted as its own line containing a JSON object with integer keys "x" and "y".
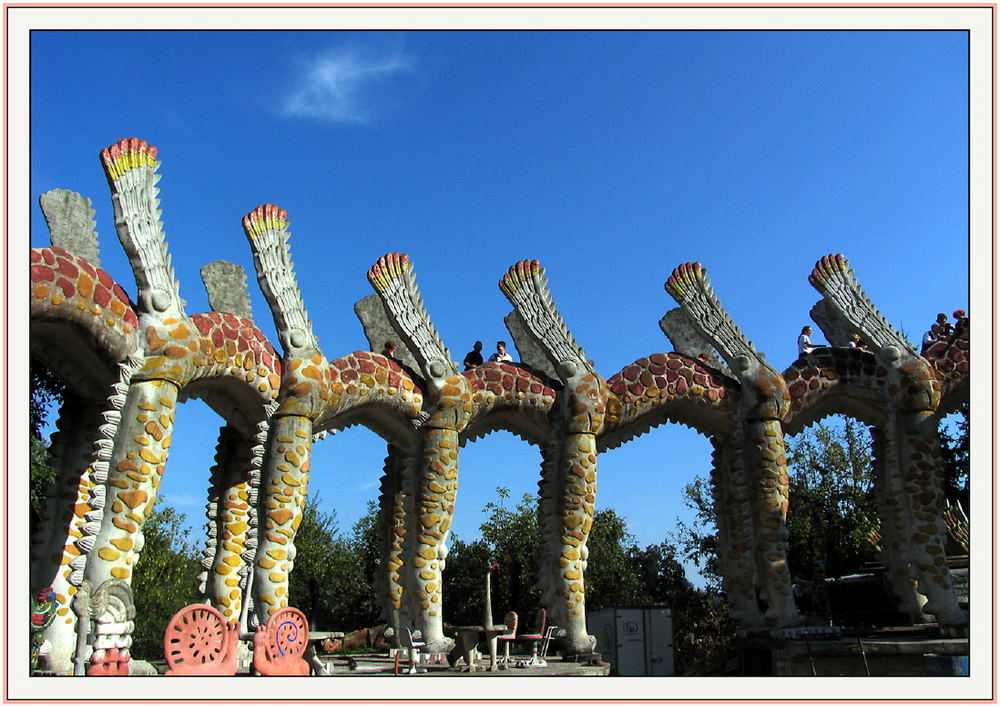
{"x": 167, "y": 362}
{"x": 303, "y": 396}
{"x": 764, "y": 402}
{"x": 569, "y": 491}
{"x": 448, "y": 410}
{"x": 916, "y": 533}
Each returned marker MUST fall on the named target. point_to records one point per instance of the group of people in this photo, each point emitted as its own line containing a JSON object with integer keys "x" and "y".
{"x": 475, "y": 357}
{"x": 940, "y": 330}
{"x": 805, "y": 344}
{"x": 472, "y": 359}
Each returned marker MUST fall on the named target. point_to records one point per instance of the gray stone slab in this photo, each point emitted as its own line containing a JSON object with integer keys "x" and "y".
{"x": 378, "y": 330}
{"x": 530, "y": 352}
{"x": 835, "y": 327}
{"x": 226, "y": 284}
{"x": 687, "y": 340}
{"x": 70, "y": 218}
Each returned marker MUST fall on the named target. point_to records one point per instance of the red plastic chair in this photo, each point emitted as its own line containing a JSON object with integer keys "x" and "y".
{"x": 510, "y": 621}
{"x": 279, "y": 645}
{"x": 534, "y": 638}
{"x": 199, "y": 641}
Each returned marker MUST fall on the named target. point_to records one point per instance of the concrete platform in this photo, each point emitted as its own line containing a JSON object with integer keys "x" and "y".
{"x": 900, "y": 651}
{"x": 378, "y": 664}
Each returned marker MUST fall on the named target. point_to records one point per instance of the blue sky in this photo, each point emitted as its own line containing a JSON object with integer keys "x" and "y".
{"x": 610, "y": 157}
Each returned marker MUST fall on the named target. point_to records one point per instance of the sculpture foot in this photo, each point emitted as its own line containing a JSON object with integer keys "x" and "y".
{"x": 955, "y": 617}
{"x": 578, "y": 645}
{"x": 783, "y": 617}
{"x": 439, "y": 645}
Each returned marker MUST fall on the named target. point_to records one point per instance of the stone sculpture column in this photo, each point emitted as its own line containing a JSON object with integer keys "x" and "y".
{"x": 448, "y": 396}
{"x": 303, "y": 395}
{"x": 763, "y": 403}
{"x": 228, "y": 524}
{"x": 169, "y": 355}
{"x": 395, "y": 500}
{"x": 569, "y": 482}
{"x": 231, "y": 516}
{"x": 911, "y": 448}
{"x": 72, "y": 453}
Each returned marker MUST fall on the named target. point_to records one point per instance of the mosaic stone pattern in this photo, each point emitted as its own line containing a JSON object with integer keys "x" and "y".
{"x": 835, "y": 378}
{"x": 65, "y": 287}
{"x": 150, "y": 355}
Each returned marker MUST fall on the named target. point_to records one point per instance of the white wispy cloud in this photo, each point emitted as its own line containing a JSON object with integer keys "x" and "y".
{"x": 341, "y": 86}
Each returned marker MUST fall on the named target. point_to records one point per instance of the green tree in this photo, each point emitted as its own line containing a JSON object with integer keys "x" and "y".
{"x": 699, "y": 540}
{"x": 465, "y": 581}
{"x": 47, "y": 392}
{"x": 165, "y": 578}
{"x": 955, "y": 456}
{"x": 832, "y": 509}
{"x": 612, "y": 576}
{"x": 333, "y": 578}
{"x": 619, "y": 573}
{"x": 513, "y": 539}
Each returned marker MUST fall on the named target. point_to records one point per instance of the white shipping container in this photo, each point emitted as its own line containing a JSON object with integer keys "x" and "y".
{"x": 634, "y": 640}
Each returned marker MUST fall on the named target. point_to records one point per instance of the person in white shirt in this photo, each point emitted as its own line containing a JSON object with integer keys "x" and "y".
{"x": 501, "y": 355}
{"x": 804, "y": 343}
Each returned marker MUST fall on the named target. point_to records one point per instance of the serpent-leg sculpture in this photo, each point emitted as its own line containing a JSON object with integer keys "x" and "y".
{"x": 569, "y": 485}
{"x": 890, "y": 498}
{"x": 394, "y": 498}
{"x": 448, "y": 409}
{"x": 72, "y": 456}
{"x": 302, "y": 397}
{"x": 228, "y": 526}
{"x": 763, "y": 403}
{"x": 170, "y": 354}
{"x": 735, "y": 521}
{"x": 84, "y": 329}
{"x": 920, "y": 524}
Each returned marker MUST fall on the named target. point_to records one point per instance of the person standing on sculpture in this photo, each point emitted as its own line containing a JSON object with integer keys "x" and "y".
{"x": 804, "y": 343}
{"x": 474, "y": 357}
{"x": 501, "y": 356}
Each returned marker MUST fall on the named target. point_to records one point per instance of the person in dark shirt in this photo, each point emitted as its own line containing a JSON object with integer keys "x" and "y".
{"x": 474, "y": 357}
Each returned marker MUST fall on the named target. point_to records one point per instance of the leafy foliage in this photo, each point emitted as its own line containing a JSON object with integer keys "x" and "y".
{"x": 700, "y": 540}
{"x": 832, "y": 509}
{"x": 619, "y": 573}
{"x": 955, "y": 456}
{"x": 47, "y": 391}
{"x": 333, "y": 579}
{"x": 165, "y": 578}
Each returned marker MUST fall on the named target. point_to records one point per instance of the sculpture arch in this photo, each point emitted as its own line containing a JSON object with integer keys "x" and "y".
{"x": 141, "y": 355}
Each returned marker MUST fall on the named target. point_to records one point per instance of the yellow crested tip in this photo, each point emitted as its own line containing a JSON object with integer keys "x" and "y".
{"x": 266, "y": 217}
{"x": 128, "y": 154}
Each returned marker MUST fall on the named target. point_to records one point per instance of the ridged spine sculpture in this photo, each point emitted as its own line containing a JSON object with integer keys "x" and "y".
{"x": 302, "y": 398}
{"x": 448, "y": 408}
{"x": 759, "y": 460}
{"x": 911, "y": 471}
{"x": 128, "y": 365}
{"x": 568, "y": 488}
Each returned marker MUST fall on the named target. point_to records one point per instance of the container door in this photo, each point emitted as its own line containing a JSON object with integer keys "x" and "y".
{"x": 660, "y": 642}
{"x": 631, "y": 642}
